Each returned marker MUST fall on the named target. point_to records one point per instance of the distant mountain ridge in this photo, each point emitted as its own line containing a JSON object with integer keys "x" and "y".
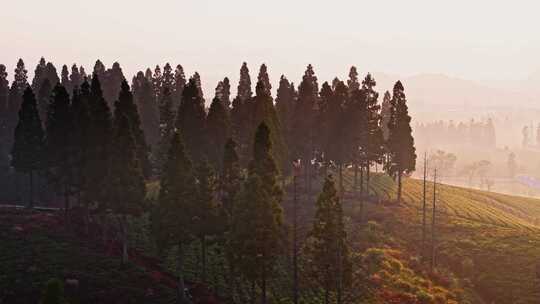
{"x": 442, "y": 92}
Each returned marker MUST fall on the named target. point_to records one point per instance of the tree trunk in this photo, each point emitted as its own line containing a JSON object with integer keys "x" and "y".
{"x": 399, "y": 187}
{"x": 232, "y": 281}
{"x": 295, "y": 243}
{"x": 31, "y": 201}
{"x": 263, "y": 286}
{"x": 355, "y": 177}
{"x": 125, "y": 256}
{"x": 339, "y": 286}
{"x": 340, "y": 180}
{"x": 203, "y": 258}
{"x": 361, "y": 182}
{"x": 181, "y": 286}
{"x": 306, "y": 178}
{"x": 66, "y": 203}
{"x": 252, "y": 297}
{"x": 326, "y": 296}
{"x": 368, "y": 170}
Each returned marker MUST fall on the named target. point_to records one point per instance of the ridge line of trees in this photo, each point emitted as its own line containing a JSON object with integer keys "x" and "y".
{"x": 221, "y": 170}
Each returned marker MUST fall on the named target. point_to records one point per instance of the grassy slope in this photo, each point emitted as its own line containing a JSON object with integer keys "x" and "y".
{"x": 491, "y": 241}
{"x": 34, "y": 248}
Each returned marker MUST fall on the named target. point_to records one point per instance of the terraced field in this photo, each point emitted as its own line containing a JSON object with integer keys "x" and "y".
{"x": 490, "y": 241}
{"x": 456, "y": 202}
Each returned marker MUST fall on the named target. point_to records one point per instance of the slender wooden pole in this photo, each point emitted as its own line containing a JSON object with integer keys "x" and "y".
{"x": 295, "y": 244}
{"x": 433, "y": 221}
{"x": 423, "y": 252}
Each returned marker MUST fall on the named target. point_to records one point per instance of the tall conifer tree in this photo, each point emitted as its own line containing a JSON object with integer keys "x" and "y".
{"x": 190, "y": 120}
{"x": 258, "y": 216}
{"x": 218, "y": 131}
{"x": 27, "y": 151}
{"x": 125, "y": 187}
{"x": 148, "y": 109}
{"x": 58, "y": 147}
{"x": 174, "y": 216}
{"x": 402, "y": 153}
{"x": 127, "y": 106}
{"x": 326, "y": 249}
{"x": 99, "y": 141}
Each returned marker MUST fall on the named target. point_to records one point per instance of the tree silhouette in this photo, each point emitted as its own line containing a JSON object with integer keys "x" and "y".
{"x": 173, "y": 218}
{"x": 326, "y": 249}
{"x": 127, "y": 106}
{"x": 27, "y": 152}
{"x": 190, "y": 120}
{"x": 58, "y": 144}
{"x": 218, "y": 131}
{"x": 125, "y": 187}
{"x": 402, "y": 153}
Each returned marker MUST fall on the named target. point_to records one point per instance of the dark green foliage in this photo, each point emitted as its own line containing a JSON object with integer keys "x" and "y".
{"x": 177, "y": 195}
{"x": 43, "y": 99}
{"x": 53, "y": 292}
{"x": 99, "y": 70}
{"x": 179, "y": 84}
{"x": 244, "y": 84}
{"x": 127, "y": 106}
{"x": 99, "y": 141}
{"x": 125, "y": 182}
{"x": 257, "y": 223}
{"x": 65, "y": 81}
{"x": 285, "y": 104}
{"x": 58, "y": 147}
{"x": 223, "y": 92}
{"x": 157, "y": 80}
{"x": 79, "y": 135}
{"x": 198, "y": 83}
{"x": 112, "y": 83}
{"x": 190, "y": 120}
{"x": 263, "y": 77}
{"x": 326, "y": 251}
{"x": 402, "y": 153}
{"x": 206, "y": 220}
{"x": 263, "y": 111}
{"x": 5, "y": 137}
{"x": 374, "y": 141}
{"x": 206, "y": 206}
{"x": 173, "y": 219}
{"x": 51, "y": 74}
{"x": 39, "y": 75}
{"x": 20, "y": 81}
{"x": 167, "y": 79}
{"x": 385, "y": 114}
{"x": 125, "y": 188}
{"x": 231, "y": 177}
{"x": 352, "y": 83}
{"x": 148, "y": 108}
{"x": 241, "y": 114}
{"x": 303, "y": 131}
{"x": 334, "y": 131}
{"x": 218, "y": 131}
{"x": 27, "y": 151}
{"x": 75, "y": 78}
{"x": 166, "y": 127}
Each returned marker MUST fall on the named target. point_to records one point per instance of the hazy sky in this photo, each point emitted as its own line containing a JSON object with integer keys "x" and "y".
{"x": 478, "y": 40}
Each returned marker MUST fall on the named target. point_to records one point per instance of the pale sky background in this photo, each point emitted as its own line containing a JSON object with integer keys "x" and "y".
{"x": 476, "y": 40}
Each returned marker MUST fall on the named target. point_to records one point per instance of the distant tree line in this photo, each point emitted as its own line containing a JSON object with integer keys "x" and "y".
{"x": 480, "y": 134}
{"x": 96, "y": 140}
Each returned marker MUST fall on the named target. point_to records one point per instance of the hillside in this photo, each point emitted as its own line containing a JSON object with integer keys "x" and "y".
{"x": 487, "y": 249}
{"x": 36, "y": 247}
{"x": 489, "y": 241}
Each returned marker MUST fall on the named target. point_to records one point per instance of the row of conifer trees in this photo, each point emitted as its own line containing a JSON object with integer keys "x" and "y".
{"x": 219, "y": 170}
